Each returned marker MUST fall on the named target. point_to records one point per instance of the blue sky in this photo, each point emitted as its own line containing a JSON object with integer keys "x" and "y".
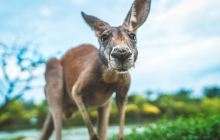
{"x": 179, "y": 44}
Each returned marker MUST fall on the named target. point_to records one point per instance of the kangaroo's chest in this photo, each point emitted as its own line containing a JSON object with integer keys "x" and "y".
{"x": 97, "y": 94}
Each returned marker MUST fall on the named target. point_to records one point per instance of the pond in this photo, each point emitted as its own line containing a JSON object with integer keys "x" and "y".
{"x": 76, "y": 133}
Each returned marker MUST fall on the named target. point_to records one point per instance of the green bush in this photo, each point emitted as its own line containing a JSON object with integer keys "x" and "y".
{"x": 210, "y": 105}
{"x": 197, "y": 128}
{"x": 20, "y": 114}
{"x": 23, "y": 114}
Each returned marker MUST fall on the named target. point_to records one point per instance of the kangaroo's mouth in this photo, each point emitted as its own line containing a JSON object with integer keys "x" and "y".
{"x": 122, "y": 70}
{"x": 120, "y": 67}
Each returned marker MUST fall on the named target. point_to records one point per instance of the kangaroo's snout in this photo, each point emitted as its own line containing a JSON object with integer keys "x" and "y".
{"x": 121, "y": 54}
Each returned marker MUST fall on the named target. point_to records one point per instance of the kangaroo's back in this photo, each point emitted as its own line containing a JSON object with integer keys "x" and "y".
{"x": 75, "y": 61}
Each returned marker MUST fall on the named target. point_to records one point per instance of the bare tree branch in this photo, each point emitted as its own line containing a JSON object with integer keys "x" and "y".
{"x": 18, "y": 64}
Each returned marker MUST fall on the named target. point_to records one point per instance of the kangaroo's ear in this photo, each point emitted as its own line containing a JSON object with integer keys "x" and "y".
{"x": 95, "y": 23}
{"x": 138, "y": 14}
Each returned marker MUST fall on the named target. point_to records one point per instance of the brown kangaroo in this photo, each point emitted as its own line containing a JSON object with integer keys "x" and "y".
{"x": 86, "y": 76}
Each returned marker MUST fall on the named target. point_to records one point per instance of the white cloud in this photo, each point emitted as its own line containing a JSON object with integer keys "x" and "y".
{"x": 197, "y": 53}
{"x": 173, "y": 67}
{"x": 171, "y": 55}
{"x": 78, "y": 2}
{"x": 46, "y": 11}
{"x": 182, "y": 9}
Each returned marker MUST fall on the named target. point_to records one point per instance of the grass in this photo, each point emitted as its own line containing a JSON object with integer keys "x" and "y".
{"x": 196, "y": 128}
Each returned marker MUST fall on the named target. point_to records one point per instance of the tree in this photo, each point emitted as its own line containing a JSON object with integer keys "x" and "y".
{"x": 211, "y": 92}
{"x": 183, "y": 94}
{"x": 20, "y": 66}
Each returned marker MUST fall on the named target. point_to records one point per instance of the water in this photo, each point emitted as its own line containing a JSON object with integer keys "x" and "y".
{"x": 77, "y": 133}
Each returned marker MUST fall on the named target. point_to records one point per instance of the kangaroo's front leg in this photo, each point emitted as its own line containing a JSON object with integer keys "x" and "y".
{"x": 103, "y": 120}
{"x": 121, "y": 100}
{"x": 79, "y": 102}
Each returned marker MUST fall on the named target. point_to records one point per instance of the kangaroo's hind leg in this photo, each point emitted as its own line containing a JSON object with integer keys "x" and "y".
{"x": 47, "y": 128}
{"x": 54, "y": 93}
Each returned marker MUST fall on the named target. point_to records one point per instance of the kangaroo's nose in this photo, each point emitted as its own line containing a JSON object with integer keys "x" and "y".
{"x": 121, "y": 54}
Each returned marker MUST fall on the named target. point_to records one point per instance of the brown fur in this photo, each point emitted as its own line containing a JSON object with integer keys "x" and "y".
{"x": 98, "y": 82}
{"x": 86, "y": 76}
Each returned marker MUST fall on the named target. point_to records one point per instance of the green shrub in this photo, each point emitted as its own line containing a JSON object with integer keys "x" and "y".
{"x": 211, "y": 105}
{"x": 20, "y": 114}
{"x": 198, "y": 128}
{"x": 136, "y": 99}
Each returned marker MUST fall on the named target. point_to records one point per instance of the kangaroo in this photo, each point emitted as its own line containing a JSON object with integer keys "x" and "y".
{"x": 87, "y": 77}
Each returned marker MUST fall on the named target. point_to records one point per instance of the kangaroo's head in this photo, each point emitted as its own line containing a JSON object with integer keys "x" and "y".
{"x": 118, "y": 49}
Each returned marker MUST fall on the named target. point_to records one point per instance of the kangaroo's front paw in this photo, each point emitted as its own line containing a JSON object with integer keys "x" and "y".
{"x": 94, "y": 137}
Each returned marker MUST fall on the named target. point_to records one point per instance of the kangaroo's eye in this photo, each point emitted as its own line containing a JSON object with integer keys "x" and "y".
{"x": 132, "y": 36}
{"x": 104, "y": 37}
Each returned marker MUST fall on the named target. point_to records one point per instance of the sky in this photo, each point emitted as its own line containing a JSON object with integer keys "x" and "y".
{"x": 178, "y": 45}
